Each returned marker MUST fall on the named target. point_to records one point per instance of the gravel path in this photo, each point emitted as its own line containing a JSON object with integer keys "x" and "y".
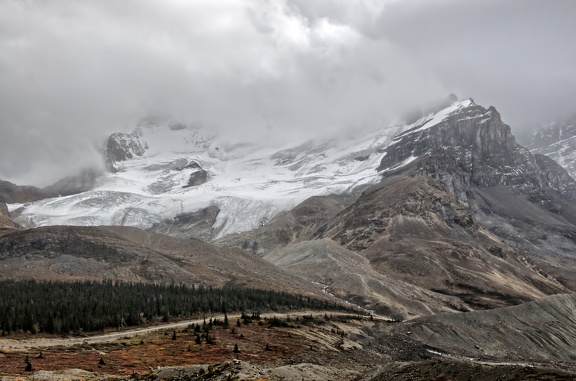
{"x": 11, "y": 344}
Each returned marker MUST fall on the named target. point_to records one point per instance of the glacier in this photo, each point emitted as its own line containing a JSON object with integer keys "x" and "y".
{"x": 250, "y": 182}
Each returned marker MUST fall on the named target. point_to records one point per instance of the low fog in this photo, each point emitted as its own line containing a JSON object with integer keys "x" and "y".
{"x": 72, "y": 72}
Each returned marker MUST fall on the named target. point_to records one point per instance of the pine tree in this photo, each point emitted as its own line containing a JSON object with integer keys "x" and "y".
{"x": 236, "y": 350}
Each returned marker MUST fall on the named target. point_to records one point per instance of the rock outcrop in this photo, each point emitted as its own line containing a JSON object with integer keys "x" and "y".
{"x": 122, "y": 147}
{"x": 198, "y": 224}
{"x": 471, "y": 146}
{"x": 197, "y": 178}
{"x": 6, "y": 221}
{"x": 84, "y": 181}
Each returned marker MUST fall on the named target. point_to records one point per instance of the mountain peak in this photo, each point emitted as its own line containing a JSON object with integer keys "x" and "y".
{"x": 469, "y": 145}
{"x": 439, "y": 115}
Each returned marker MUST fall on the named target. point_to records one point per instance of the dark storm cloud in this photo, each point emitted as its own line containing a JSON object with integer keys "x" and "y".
{"x": 71, "y": 72}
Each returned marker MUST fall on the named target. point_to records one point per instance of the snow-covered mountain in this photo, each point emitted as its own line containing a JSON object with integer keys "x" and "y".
{"x": 163, "y": 169}
{"x": 557, "y": 141}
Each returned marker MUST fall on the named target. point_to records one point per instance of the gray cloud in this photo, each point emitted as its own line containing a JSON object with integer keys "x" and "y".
{"x": 73, "y": 72}
{"x": 517, "y": 54}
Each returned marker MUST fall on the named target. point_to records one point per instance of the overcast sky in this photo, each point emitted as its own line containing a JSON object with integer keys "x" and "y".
{"x": 71, "y": 72}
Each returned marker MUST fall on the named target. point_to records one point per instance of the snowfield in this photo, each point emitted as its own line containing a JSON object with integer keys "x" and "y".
{"x": 249, "y": 183}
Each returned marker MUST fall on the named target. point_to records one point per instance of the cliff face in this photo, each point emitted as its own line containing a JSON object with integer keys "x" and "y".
{"x": 471, "y": 146}
{"x": 5, "y": 219}
{"x": 121, "y": 147}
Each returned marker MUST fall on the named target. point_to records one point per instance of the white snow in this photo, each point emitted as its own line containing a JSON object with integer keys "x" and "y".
{"x": 403, "y": 164}
{"x": 249, "y": 182}
{"x": 432, "y": 120}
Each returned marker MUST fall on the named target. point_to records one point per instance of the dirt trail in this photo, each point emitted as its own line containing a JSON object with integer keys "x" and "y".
{"x": 11, "y": 344}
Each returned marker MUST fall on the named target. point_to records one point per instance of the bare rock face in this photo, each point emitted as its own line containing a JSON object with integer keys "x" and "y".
{"x": 473, "y": 147}
{"x": 6, "y": 221}
{"x": 197, "y": 178}
{"x": 197, "y": 224}
{"x": 414, "y": 230}
{"x": 122, "y": 147}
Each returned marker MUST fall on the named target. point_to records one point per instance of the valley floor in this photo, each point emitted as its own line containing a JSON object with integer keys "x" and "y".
{"x": 324, "y": 346}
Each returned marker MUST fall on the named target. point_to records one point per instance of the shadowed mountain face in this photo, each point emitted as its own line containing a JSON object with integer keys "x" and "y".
{"x": 6, "y": 221}
{"x": 473, "y": 148}
{"x": 85, "y": 180}
{"x": 12, "y": 193}
{"x": 464, "y": 215}
{"x": 130, "y": 254}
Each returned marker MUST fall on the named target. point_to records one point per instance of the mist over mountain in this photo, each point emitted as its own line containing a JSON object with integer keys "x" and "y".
{"x": 72, "y": 73}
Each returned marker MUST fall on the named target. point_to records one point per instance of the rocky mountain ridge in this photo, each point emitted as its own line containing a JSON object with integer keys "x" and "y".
{"x": 463, "y": 212}
{"x": 557, "y": 141}
{"x": 471, "y": 146}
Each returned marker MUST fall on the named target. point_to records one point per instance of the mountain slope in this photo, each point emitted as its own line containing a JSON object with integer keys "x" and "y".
{"x": 350, "y": 276}
{"x": 543, "y": 330}
{"x": 6, "y": 221}
{"x": 471, "y": 146}
{"x": 557, "y": 141}
{"x": 463, "y": 212}
{"x": 414, "y": 229}
{"x": 84, "y": 181}
{"x": 130, "y": 254}
{"x": 463, "y": 217}
{"x": 162, "y": 170}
